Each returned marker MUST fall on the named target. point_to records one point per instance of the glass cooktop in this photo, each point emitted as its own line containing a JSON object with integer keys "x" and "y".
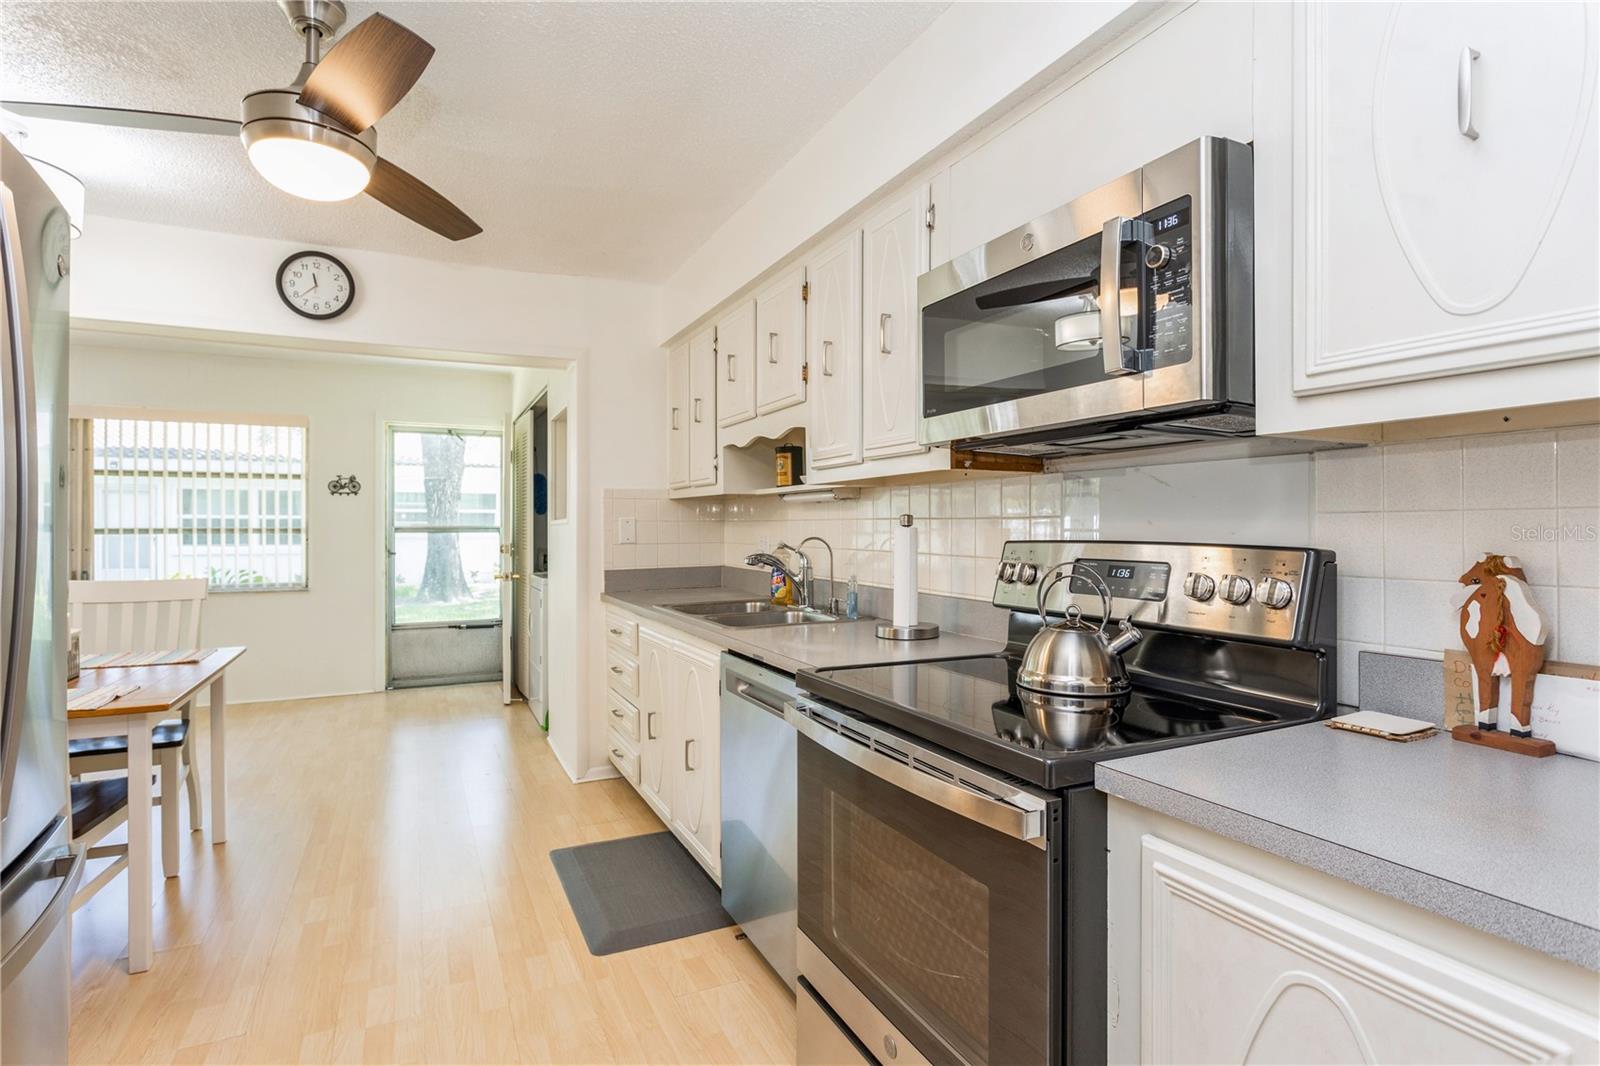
{"x": 971, "y": 706}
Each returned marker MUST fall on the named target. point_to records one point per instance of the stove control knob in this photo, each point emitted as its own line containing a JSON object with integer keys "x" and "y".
{"x": 1027, "y": 574}
{"x": 1008, "y": 572}
{"x": 1236, "y": 589}
{"x": 1274, "y": 592}
{"x": 1198, "y": 586}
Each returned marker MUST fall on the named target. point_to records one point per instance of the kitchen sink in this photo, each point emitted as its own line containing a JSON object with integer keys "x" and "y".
{"x": 725, "y": 607}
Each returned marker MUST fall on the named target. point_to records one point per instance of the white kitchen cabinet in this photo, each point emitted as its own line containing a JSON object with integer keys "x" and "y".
{"x": 833, "y": 352}
{"x": 678, "y": 426}
{"x": 697, "y": 807}
{"x": 702, "y": 407}
{"x": 894, "y": 254}
{"x": 736, "y": 364}
{"x": 657, "y": 701}
{"x": 780, "y": 342}
{"x": 1221, "y": 953}
{"x": 1445, "y": 167}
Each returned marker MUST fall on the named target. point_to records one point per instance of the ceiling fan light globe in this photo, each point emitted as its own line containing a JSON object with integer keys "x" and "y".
{"x": 309, "y": 169}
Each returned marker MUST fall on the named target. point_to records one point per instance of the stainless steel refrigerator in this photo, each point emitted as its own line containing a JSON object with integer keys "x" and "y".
{"x": 39, "y": 868}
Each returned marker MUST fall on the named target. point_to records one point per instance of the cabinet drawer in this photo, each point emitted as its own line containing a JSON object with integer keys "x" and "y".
{"x": 624, "y": 758}
{"x": 622, "y": 673}
{"x": 622, "y": 633}
{"x": 622, "y": 716}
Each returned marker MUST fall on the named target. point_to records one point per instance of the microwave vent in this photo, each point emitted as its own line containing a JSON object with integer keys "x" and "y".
{"x": 1232, "y": 424}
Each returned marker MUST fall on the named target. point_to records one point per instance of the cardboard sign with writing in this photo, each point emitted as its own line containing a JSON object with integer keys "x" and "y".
{"x": 1459, "y": 706}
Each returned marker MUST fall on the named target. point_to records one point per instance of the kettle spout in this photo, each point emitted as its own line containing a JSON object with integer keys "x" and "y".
{"x": 1126, "y": 637}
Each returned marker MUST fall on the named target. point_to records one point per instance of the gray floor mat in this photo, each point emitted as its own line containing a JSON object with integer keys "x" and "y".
{"x": 635, "y": 891}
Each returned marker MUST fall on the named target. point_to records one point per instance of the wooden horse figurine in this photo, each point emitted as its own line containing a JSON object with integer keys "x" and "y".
{"x": 1504, "y": 635}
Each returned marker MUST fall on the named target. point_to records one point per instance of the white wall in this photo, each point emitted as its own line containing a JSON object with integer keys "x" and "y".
{"x": 123, "y": 273}
{"x": 969, "y": 65}
{"x": 327, "y": 639}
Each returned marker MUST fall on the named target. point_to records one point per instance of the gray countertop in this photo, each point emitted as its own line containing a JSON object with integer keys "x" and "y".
{"x": 815, "y": 646}
{"x": 1497, "y": 841}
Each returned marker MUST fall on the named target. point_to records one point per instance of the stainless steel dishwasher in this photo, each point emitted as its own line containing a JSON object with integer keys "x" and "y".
{"x": 758, "y": 809}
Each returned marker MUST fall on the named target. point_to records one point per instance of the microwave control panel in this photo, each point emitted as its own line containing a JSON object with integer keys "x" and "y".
{"x": 1167, "y": 259}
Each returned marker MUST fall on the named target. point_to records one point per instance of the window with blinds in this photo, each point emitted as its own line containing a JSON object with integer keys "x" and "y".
{"x": 221, "y": 499}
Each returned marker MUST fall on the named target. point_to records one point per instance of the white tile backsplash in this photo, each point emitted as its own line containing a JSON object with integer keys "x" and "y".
{"x": 1418, "y": 514}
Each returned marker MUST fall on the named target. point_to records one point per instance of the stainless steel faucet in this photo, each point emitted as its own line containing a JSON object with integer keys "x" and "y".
{"x": 835, "y": 606}
{"x": 802, "y": 580}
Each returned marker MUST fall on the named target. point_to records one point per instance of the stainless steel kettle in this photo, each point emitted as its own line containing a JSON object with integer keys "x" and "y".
{"x": 1070, "y": 657}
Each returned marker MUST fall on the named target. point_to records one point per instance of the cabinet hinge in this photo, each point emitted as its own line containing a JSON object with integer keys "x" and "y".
{"x": 805, "y": 373}
{"x": 930, "y": 216}
{"x": 805, "y": 292}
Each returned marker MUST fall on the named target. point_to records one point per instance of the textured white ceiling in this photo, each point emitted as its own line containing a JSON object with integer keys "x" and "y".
{"x": 592, "y": 138}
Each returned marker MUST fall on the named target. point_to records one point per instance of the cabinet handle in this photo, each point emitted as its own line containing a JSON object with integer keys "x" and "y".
{"x": 615, "y": 632}
{"x": 674, "y": 418}
{"x": 697, "y": 409}
{"x": 1469, "y": 55}
{"x": 616, "y": 669}
{"x": 615, "y": 713}
{"x": 883, "y": 333}
{"x": 650, "y": 725}
{"x": 827, "y": 359}
{"x": 772, "y": 347}
{"x": 615, "y": 754}
{"x": 730, "y": 366}
{"x": 686, "y": 765}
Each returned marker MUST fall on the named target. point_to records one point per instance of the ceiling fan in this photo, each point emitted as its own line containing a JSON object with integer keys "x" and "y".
{"x": 316, "y": 137}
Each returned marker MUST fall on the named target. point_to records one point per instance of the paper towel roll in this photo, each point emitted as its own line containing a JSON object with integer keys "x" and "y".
{"x": 905, "y": 572}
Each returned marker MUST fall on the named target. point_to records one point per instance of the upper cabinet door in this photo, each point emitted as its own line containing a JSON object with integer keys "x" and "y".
{"x": 702, "y": 414}
{"x": 891, "y": 365}
{"x": 736, "y": 365}
{"x": 678, "y": 425}
{"x": 1445, "y": 166}
{"x": 833, "y": 352}
{"x": 780, "y": 343}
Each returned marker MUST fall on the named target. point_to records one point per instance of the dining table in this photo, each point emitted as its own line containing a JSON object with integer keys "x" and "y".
{"x": 154, "y": 693}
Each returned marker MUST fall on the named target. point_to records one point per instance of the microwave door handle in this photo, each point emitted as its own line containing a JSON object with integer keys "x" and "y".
{"x": 1016, "y": 822}
{"x": 1121, "y": 359}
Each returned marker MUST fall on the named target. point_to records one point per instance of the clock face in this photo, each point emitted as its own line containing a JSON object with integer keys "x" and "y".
{"x": 316, "y": 285}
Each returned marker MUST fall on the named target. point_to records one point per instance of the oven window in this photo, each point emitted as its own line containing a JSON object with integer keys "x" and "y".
{"x": 949, "y": 927}
{"x": 901, "y": 911}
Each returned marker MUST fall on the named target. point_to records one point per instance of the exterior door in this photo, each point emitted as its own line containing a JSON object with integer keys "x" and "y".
{"x": 891, "y": 365}
{"x": 445, "y": 537}
{"x": 656, "y": 698}
{"x": 508, "y": 577}
{"x": 833, "y": 352}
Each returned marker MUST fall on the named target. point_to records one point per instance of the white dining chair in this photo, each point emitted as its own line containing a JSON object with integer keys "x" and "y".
{"x": 113, "y": 616}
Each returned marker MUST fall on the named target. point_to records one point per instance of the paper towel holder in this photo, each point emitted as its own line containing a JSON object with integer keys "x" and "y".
{"x": 915, "y": 631}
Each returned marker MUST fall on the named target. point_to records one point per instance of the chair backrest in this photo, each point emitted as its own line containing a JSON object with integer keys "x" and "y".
{"x": 136, "y": 615}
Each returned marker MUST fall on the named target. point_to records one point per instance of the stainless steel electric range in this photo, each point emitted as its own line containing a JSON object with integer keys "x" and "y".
{"x": 951, "y": 843}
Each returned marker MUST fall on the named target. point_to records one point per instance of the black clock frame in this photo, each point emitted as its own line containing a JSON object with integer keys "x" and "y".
{"x": 278, "y": 283}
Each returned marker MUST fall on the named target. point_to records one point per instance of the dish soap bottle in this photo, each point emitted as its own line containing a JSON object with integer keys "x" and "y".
{"x": 852, "y": 600}
{"x": 782, "y": 588}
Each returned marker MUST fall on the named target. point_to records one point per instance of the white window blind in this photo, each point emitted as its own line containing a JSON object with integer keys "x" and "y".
{"x": 222, "y": 498}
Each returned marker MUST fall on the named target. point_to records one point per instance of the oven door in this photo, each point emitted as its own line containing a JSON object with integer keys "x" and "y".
{"x": 932, "y": 889}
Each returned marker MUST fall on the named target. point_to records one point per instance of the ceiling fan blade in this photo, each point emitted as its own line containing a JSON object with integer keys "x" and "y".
{"x": 396, "y": 189}
{"x": 164, "y": 121}
{"x": 366, "y": 73}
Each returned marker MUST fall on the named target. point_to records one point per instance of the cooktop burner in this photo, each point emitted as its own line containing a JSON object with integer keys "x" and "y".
{"x": 971, "y": 707}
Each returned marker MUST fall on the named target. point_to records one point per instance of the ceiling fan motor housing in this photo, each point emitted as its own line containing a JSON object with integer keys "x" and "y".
{"x": 276, "y": 115}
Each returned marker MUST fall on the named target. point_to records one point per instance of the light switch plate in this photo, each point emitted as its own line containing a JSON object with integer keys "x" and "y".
{"x": 627, "y": 530}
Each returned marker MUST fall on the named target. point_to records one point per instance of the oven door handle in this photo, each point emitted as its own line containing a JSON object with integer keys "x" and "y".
{"x": 1013, "y": 821}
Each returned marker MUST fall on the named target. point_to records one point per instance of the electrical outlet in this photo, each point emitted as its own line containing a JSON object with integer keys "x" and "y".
{"x": 764, "y": 543}
{"x": 627, "y": 530}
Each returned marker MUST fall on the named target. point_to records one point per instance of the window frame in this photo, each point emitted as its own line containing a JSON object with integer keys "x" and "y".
{"x": 89, "y": 413}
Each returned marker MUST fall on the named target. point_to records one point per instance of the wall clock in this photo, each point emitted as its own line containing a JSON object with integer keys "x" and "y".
{"x": 316, "y": 285}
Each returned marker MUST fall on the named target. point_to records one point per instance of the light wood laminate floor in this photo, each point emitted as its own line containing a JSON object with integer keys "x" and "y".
{"x": 386, "y": 895}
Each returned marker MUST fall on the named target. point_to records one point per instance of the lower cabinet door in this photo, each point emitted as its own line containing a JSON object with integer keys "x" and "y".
{"x": 657, "y": 707}
{"x": 1236, "y": 969}
{"x": 697, "y": 809}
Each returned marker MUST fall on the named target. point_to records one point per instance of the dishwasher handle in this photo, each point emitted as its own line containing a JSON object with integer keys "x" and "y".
{"x": 766, "y": 699}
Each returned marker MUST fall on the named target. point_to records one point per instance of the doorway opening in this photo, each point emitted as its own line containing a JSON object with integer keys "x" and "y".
{"x": 530, "y": 556}
{"x": 444, "y": 547}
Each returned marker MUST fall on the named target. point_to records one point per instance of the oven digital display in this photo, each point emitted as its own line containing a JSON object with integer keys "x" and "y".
{"x": 1129, "y": 581}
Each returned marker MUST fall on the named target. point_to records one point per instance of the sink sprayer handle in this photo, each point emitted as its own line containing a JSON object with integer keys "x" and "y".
{"x": 1055, "y": 574}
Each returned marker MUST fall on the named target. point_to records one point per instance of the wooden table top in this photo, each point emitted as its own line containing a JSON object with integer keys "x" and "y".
{"x": 161, "y": 688}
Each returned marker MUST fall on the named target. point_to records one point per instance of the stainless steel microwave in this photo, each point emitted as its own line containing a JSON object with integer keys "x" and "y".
{"x": 1015, "y": 356}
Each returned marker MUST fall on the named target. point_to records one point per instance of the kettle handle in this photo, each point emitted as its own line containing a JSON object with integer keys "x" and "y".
{"x": 1055, "y": 574}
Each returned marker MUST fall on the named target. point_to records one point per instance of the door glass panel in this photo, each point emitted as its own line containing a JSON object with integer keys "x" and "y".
{"x": 446, "y": 577}
{"x": 446, "y": 480}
